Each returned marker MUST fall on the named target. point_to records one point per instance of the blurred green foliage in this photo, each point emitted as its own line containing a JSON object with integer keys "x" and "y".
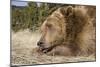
{"x": 31, "y": 16}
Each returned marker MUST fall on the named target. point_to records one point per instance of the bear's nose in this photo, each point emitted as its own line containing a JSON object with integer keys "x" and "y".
{"x": 40, "y": 43}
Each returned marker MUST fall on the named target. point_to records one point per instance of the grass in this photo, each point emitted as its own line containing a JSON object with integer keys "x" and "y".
{"x": 24, "y": 51}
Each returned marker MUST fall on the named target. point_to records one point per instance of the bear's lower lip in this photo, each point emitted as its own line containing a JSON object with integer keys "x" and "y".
{"x": 45, "y": 50}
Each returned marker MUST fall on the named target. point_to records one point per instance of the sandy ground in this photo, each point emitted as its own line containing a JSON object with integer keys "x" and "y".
{"x": 23, "y": 51}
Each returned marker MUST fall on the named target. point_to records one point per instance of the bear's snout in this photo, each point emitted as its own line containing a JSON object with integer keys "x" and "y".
{"x": 42, "y": 47}
{"x": 40, "y": 44}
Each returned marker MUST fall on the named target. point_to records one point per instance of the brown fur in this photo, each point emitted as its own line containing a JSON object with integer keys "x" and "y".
{"x": 68, "y": 31}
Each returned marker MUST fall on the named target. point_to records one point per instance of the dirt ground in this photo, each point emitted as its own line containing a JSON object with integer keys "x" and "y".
{"x": 23, "y": 51}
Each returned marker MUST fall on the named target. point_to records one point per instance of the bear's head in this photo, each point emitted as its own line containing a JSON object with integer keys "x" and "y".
{"x": 61, "y": 28}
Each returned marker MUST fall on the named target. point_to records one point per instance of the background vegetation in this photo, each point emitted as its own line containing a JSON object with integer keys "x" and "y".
{"x": 31, "y": 16}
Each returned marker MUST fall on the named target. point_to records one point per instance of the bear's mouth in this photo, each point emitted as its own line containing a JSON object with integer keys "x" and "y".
{"x": 45, "y": 50}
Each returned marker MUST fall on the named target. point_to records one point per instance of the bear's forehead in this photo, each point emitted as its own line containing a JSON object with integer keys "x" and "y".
{"x": 52, "y": 19}
{"x": 57, "y": 13}
{"x": 56, "y": 16}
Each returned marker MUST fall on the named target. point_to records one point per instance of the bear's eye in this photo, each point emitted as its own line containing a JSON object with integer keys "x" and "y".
{"x": 49, "y": 25}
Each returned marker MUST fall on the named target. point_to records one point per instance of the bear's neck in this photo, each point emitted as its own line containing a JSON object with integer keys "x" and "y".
{"x": 74, "y": 27}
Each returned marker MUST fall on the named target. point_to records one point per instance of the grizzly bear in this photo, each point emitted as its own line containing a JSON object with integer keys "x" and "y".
{"x": 68, "y": 31}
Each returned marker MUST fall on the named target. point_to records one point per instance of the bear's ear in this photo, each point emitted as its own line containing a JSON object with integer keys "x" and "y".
{"x": 67, "y": 11}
